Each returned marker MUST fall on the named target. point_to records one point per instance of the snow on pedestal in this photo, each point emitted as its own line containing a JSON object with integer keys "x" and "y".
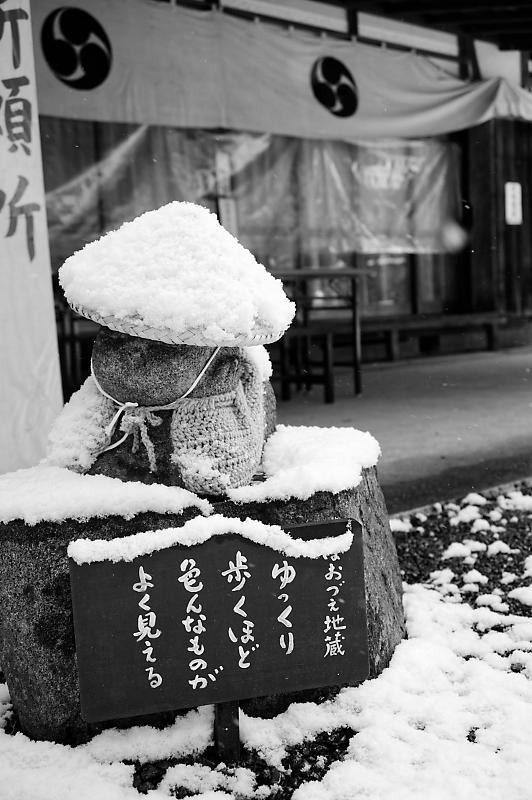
{"x": 311, "y": 475}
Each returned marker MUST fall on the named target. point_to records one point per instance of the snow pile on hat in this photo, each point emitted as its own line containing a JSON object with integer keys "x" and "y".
{"x": 177, "y": 276}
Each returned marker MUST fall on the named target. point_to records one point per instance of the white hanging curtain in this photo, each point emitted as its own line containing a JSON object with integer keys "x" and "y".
{"x": 152, "y": 63}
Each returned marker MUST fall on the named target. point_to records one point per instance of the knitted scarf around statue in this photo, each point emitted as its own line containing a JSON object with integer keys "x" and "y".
{"x": 217, "y": 441}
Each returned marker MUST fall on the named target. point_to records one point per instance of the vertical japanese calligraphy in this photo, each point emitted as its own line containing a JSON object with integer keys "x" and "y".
{"x": 334, "y": 626}
{"x": 218, "y": 621}
{"x": 16, "y": 202}
{"x": 11, "y": 15}
{"x": 29, "y": 362}
{"x": 194, "y": 623}
{"x": 146, "y": 630}
{"x": 238, "y": 572}
{"x": 286, "y": 574}
{"x": 17, "y": 114}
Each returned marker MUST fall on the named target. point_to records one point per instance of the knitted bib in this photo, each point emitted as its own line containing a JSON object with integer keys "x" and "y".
{"x": 217, "y": 441}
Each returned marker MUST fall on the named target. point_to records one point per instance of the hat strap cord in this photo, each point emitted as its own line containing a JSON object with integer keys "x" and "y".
{"x": 137, "y": 422}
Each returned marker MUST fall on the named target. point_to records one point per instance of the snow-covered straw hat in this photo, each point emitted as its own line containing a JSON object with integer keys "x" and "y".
{"x": 177, "y": 276}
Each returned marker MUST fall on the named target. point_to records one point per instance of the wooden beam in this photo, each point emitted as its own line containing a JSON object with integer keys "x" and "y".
{"x": 448, "y": 9}
{"x": 504, "y": 24}
{"x": 498, "y": 18}
{"x": 515, "y": 42}
{"x": 498, "y": 32}
{"x": 526, "y": 77}
{"x": 495, "y": 21}
{"x": 351, "y": 14}
{"x": 469, "y": 7}
{"x": 469, "y": 67}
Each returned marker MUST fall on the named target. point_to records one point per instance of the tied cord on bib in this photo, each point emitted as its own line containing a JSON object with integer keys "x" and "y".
{"x": 135, "y": 418}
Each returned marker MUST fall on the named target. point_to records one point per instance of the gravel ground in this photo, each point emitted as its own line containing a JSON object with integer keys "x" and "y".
{"x": 420, "y": 549}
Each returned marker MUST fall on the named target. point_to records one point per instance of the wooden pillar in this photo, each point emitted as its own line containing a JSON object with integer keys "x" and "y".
{"x": 500, "y": 153}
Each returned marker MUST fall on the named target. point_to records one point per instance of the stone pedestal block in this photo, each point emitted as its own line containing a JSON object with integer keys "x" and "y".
{"x": 37, "y": 648}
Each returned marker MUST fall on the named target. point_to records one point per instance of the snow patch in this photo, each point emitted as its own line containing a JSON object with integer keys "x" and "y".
{"x": 199, "y": 530}
{"x": 523, "y": 595}
{"x": 78, "y": 434}
{"x": 515, "y": 501}
{"x": 189, "y": 734}
{"x": 53, "y": 494}
{"x": 480, "y": 525}
{"x": 465, "y": 550}
{"x": 455, "y": 550}
{"x": 465, "y": 515}
{"x": 400, "y": 525}
{"x": 495, "y": 548}
{"x": 259, "y": 357}
{"x": 493, "y": 601}
{"x": 299, "y": 461}
{"x": 197, "y": 779}
{"x": 474, "y": 499}
{"x": 474, "y": 576}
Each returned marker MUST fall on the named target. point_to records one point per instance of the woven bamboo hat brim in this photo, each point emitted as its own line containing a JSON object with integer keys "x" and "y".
{"x": 197, "y": 337}
{"x": 175, "y": 275}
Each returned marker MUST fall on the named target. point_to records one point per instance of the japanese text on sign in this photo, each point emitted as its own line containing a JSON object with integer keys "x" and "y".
{"x": 285, "y": 573}
{"x": 226, "y": 619}
{"x": 18, "y": 206}
{"x": 146, "y": 630}
{"x": 238, "y": 572}
{"x": 194, "y": 623}
{"x": 334, "y": 623}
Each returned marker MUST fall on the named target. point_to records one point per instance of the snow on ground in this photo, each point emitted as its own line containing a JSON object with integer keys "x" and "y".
{"x": 449, "y": 719}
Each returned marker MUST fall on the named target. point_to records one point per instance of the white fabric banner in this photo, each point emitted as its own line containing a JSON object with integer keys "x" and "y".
{"x": 29, "y": 365}
{"x": 135, "y": 61}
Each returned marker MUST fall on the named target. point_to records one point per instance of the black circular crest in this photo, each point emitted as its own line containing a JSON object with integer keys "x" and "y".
{"x": 334, "y": 86}
{"x": 76, "y": 47}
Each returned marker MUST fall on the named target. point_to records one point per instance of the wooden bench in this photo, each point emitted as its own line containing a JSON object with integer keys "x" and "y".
{"x": 303, "y": 364}
{"x": 430, "y": 327}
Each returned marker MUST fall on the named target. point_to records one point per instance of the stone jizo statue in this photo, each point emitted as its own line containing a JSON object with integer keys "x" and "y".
{"x": 179, "y": 390}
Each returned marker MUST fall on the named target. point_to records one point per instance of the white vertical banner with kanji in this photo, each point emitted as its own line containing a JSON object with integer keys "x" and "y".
{"x": 30, "y": 387}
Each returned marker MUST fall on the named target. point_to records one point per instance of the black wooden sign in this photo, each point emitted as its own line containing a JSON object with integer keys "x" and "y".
{"x": 224, "y": 620}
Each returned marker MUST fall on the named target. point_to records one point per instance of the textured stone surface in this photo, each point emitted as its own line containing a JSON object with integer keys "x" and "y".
{"x": 37, "y": 652}
{"x": 153, "y": 374}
